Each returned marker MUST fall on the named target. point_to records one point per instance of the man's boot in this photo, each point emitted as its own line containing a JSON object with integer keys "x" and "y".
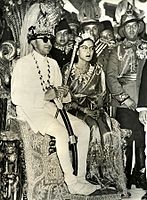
{"x": 140, "y": 167}
{"x": 129, "y": 153}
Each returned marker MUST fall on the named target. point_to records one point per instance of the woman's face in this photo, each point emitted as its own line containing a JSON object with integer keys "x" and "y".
{"x": 86, "y": 50}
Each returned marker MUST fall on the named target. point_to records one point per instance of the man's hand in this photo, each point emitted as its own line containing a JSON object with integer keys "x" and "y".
{"x": 59, "y": 92}
{"x": 143, "y": 117}
{"x": 50, "y": 94}
{"x": 130, "y": 104}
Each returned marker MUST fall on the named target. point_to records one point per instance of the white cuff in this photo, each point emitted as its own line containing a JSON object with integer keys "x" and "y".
{"x": 141, "y": 109}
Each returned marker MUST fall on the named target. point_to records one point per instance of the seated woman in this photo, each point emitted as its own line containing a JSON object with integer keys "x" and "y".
{"x": 87, "y": 87}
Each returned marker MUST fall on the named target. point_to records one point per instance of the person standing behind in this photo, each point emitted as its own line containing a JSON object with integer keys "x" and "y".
{"x": 61, "y": 51}
{"x": 89, "y": 14}
{"x": 123, "y": 79}
{"x": 107, "y": 37}
{"x": 73, "y": 23}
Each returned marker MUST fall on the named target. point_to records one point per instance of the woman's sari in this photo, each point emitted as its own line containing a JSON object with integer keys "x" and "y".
{"x": 105, "y": 160}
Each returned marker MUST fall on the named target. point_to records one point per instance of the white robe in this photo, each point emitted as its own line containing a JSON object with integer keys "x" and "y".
{"x": 28, "y": 96}
{"x": 27, "y": 93}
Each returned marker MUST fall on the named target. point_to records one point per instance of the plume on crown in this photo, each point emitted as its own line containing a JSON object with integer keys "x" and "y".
{"x": 46, "y": 21}
{"x": 89, "y": 11}
{"x": 22, "y": 14}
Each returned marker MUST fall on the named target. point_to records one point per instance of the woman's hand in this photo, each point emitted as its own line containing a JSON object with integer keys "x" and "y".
{"x": 63, "y": 91}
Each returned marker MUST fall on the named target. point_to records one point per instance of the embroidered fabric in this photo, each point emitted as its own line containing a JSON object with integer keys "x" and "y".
{"x": 82, "y": 77}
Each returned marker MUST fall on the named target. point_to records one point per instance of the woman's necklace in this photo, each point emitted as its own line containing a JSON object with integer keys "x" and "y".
{"x": 82, "y": 75}
{"x": 44, "y": 84}
{"x": 81, "y": 70}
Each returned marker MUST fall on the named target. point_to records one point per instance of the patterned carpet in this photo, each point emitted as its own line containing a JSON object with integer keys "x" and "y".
{"x": 136, "y": 193}
{"x": 44, "y": 175}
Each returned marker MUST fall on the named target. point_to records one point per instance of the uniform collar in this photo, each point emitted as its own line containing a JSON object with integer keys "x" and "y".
{"x": 39, "y": 57}
{"x": 62, "y": 48}
{"x": 129, "y": 44}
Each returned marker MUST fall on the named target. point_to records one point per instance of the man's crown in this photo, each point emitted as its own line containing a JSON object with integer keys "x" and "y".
{"x": 85, "y": 36}
{"x": 47, "y": 19}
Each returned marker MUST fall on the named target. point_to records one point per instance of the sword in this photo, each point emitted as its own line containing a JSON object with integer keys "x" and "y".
{"x": 72, "y": 137}
{"x": 58, "y": 102}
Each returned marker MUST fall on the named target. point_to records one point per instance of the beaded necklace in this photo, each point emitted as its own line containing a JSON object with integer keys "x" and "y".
{"x": 44, "y": 84}
{"x": 82, "y": 77}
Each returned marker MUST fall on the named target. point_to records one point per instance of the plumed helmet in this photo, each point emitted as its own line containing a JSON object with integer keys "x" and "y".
{"x": 89, "y": 12}
{"x": 129, "y": 17}
{"x": 72, "y": 18}
{"x": 40, "y": 19}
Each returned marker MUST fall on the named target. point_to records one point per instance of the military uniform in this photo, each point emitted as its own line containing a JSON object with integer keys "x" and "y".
{"x": 123, "y": 79}
{"x": 61, "y": 56}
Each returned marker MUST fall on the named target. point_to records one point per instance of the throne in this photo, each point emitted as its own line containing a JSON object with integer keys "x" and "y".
{"x": 39, "y": 166}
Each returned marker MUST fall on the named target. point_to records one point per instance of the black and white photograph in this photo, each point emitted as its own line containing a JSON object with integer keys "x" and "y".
{"x": 73, "y": 100}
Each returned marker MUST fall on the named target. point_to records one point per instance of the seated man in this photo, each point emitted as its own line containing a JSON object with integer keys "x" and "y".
{"x": 36, "y": 83}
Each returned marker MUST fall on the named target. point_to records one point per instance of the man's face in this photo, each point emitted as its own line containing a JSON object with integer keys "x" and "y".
{"x": 131, "y": 30}
{"x": 42, "y": 45}
{"x": 108, "y": 35}
{"x": 74, "y": 32}
{"x": 62, "y": 37}
{"x": 86, "y": 51}
{"x": 92, "y": 29}
{"x": 74, "y": 29}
